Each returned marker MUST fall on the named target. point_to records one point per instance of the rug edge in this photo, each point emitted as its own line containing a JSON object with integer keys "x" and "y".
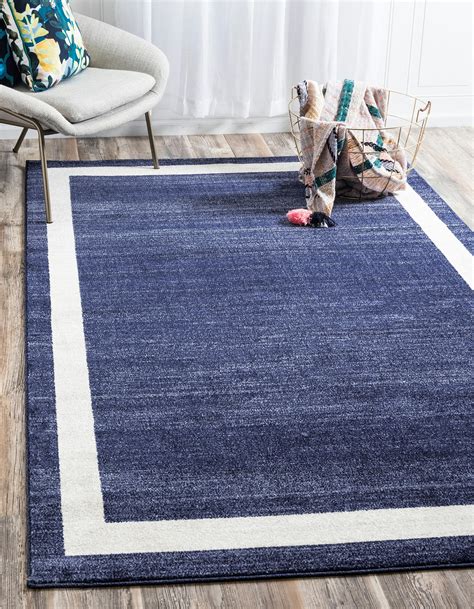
{"x": 33, "y": 584}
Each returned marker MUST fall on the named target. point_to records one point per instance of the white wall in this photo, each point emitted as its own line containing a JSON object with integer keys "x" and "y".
{"x": 425, "y": 49}
{"x": 435, "y": 61}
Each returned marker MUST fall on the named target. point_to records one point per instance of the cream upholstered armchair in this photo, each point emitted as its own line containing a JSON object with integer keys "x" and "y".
{"x": 126, "y": 79}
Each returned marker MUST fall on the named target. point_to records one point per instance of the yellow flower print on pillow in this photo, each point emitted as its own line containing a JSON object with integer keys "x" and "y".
{"x": 47, "y": 52}
{"x": 45, "y": 39}
{"x": 30, "y": 26}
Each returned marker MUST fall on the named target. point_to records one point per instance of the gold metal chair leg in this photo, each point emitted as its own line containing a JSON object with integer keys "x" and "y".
{"x": 20, "y": 140}
{"x": 44, "y": 169}
{"x": 149, "y": 127}
{"x": 19, "y": 120}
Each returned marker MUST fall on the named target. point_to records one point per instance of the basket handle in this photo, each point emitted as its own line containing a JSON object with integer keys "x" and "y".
{"x": 427, "y": 108}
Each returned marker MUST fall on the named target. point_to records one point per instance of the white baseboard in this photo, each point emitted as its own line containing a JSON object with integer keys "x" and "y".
{"x": 206, "y": 126}
{"x": 216, "y": 125}
{"x": 448, "y": 120}
{"x": 184, "y": 127}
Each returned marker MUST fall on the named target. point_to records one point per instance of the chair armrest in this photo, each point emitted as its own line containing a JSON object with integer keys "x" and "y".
{"x": 115, "y": 49}
{"x": 32, "y": 107}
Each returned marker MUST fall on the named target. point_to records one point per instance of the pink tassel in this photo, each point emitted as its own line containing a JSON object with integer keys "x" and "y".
{"x": 301, "y": 217}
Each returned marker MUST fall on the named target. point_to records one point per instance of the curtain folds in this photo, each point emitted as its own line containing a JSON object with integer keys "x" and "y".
{"x": 239, "y": 58}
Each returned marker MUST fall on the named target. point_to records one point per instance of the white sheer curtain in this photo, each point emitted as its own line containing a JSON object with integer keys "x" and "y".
{"x": 239, "y": 58}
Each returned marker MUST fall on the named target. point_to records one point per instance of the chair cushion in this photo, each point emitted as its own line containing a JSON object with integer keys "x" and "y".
{"x": 94, "y": 92}
{"x": 9, "y": 74}
{"x": 46, "y": 41}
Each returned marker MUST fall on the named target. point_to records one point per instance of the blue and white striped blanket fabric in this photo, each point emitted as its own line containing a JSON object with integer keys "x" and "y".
{"x": 189, "y": 420}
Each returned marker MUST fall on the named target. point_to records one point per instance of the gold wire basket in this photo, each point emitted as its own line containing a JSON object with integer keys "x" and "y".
{"x": 404, "y": 129}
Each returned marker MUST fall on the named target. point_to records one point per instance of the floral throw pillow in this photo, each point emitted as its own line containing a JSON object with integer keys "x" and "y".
{"x": 9, "y": 75}
{"x": 45, "y": 41}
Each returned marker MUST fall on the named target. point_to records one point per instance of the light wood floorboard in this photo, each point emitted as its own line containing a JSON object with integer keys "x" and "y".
{"x": 446, "y": 161}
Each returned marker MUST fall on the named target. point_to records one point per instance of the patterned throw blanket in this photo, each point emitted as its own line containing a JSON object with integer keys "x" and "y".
{"x": 337, "y": 160}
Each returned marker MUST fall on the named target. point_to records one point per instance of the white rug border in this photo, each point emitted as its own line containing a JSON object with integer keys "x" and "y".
{"x": 85, "y": 529}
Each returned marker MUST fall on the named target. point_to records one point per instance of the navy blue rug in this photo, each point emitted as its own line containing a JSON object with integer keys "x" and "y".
{"x": 216, "y": 394}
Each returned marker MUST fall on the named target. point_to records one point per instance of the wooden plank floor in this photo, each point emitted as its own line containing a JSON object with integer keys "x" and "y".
{"x": 446, "y": 161}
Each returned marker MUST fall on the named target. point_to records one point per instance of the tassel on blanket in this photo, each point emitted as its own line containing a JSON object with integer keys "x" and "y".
{"x": 306, "y": 217}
